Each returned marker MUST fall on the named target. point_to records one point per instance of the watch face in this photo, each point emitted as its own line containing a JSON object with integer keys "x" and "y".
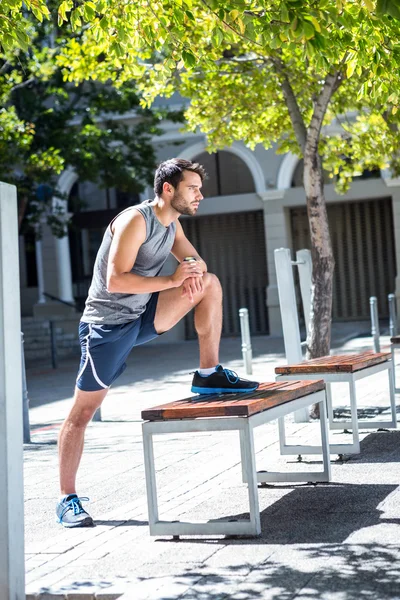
{"x": 189, "y": 258}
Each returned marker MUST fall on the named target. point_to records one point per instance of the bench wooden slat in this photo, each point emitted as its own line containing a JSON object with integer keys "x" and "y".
{"x": 345, "y": 363}
{"x": 266, "y": 396}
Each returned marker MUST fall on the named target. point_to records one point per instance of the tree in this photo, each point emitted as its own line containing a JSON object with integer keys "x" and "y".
{"x": 48, "y": 125}
{"x": 264, "y": 72}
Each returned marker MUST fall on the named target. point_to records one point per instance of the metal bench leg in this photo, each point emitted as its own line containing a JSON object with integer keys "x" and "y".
{"x": 243, "y": 454}
{"x": 151, "y": 485}
{"x": 354, "y": 417}
{"x": 392, "y": 392}
{"x": 250, "y": 474}
{"x": 329, "y": 404}
{"x": 393, "y": 349}
{"x": 325, "y": 439}
{"x": 314, "y": 476}
{"x": 282, "y": 433}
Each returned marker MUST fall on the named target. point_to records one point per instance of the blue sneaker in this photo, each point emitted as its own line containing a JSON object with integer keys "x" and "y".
{"x": 71, "y": 514}
{"x": 222, "y": 381}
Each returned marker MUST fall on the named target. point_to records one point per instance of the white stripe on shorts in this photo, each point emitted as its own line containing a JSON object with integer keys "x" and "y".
{"x": 90, "y": 358}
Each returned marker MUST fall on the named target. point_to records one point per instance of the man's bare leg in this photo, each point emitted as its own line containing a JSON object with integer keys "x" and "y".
{"x": 172, "y": 307}
{"x": 72, "y": 435}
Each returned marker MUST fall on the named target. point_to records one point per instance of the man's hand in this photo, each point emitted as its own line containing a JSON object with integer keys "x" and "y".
{"x": 186, "y": 270}
{"x": 191, "y": 286}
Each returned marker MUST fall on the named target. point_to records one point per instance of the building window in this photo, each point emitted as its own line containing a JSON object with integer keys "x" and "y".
{"x": 227, "y": 174}
{"x": 297, "y": 179}
{"x": 30, "y": 260}
{"x": 126, "y": 199}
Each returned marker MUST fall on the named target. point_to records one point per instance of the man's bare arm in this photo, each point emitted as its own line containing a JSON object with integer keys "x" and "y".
{"x": 183, "y": 247}
{"x": 129, "y": 235}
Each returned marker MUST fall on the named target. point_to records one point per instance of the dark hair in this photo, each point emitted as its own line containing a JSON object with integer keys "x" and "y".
{"x": 171, "y": 171}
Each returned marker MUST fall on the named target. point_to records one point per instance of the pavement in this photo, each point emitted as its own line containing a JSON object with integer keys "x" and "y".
{"x": 334, "y": 541}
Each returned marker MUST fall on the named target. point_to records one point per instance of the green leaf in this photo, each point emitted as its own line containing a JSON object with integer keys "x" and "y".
{"x": 104, "y": 23}
{"x": 350, "y": 67}
{"x": 284, "y": 13}
{"x": 218, "y": 37}
{"x": 188, "y": 58}
{"x": 23, "y": 39}
{"x": 309, "y": 30}
{"x": 88, "y": 12}
{"x": 314, "y": 21}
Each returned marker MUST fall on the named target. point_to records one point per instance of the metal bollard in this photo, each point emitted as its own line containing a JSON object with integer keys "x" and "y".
{"x": 97, "y": 415}
{"x": 392, "y": 315}
{"x": 246, "y": 342}
{"x": 25, "y": 398}
{"x": 373, "y": 302}
{"x": 53, "y": 345}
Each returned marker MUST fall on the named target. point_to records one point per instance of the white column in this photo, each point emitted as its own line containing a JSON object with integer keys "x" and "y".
{"x": 12, "y": 578}
{"x": 63, "y": 259}
{"x": 39, "y": 271}
{"x": 64, "y": 273}
{"x": 395, "y": 193}
{"x": 276, "y": 236}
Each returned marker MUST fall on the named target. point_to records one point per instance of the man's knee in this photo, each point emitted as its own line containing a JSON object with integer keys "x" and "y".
{"x": 212, "y": 284}
{"x": 86, "y": 404}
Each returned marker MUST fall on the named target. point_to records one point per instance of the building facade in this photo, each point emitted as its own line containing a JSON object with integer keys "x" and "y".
{"x": 254, "y": 203}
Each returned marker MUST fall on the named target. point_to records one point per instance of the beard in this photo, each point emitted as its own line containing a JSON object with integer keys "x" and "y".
{"x": 182, "y": 206}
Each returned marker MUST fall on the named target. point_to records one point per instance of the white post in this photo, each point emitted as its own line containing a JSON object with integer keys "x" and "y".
{"x": 12, "y": 578}
{"x": 290, "y": 319}
{"x": 304, "y": 264}
{"x": 392, "y": 315}
{"x": 246, "y": 340}
{"x": 63, "y": 259}
{"x": 288, "y": 305}
{"x": 39, "y": 270}
{"x": 373, "y": 304}
{"x": 64, "y": 272}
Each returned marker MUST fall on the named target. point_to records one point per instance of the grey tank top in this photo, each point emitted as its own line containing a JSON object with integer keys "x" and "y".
{"x": 111, "y": 308}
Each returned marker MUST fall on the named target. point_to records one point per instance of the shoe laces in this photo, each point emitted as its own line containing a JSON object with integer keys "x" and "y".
{"x": 75, "y": 504}
{"x": 231, "y": 376}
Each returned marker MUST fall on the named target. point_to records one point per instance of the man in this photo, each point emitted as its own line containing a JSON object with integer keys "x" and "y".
{"x": 130, "y": 303}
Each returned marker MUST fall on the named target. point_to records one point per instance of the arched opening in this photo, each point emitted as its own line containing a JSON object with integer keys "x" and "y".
{"x": 227, "y": 173}
{"x": 297, "y": 177}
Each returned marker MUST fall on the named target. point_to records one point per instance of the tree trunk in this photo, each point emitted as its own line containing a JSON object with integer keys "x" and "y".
{"x": 319, "y": 335}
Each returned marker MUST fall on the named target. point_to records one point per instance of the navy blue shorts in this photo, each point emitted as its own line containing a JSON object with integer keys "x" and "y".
{"x": 105, "y": 348}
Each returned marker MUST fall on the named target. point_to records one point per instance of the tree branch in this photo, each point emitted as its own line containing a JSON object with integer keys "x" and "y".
{"x": 392, "y": 126}
{"x": 5, "y": 67}
{"x": 332, "y": 82}
{"x": 23, "y": 84}
{"x": 292, "y": 105}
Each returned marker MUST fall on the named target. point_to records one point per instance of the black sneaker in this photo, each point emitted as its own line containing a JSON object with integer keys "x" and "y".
{"x": 71, "y": 514}
{"x": 222, "y": 381}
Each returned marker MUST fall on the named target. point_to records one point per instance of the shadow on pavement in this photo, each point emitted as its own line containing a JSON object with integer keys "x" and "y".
{"x": 334, "y": 572}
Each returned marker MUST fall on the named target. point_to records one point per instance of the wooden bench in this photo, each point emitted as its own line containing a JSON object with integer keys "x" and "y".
{"x": 345, "y": 363}
{"x": 227, "y": 412}
{"x": 347, "y": 368}
{"x": 332, "y": 369}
